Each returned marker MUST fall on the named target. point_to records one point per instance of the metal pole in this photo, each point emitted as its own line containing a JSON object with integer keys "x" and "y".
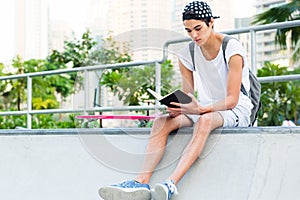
{"x": 98, "y": 95}
{"x": 86, "y": 91}
{"x": 253, "y": 51}
{"x": 29, "y": 102}
{"x": 157, "y": 80}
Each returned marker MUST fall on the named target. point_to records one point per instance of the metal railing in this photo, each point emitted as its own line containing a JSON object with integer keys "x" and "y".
{"x": 29, "y": 112}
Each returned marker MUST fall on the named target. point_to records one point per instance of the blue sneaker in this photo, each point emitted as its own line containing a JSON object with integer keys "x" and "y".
{"x": 164, "y": 191}
{"x": 127, "y": 190}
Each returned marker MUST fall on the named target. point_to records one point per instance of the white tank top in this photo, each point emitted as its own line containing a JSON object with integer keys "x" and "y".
{"x": 211, "y": 75}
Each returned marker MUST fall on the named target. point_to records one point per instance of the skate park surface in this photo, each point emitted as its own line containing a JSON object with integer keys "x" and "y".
{"x": 257, "y": 163}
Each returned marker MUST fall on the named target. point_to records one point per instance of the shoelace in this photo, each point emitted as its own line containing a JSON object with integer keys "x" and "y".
{"x": 126, "y": 183}
{"x": 170, "y": 184}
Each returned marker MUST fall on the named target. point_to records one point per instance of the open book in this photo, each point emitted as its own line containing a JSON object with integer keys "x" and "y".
{"x": 176, "y": 96}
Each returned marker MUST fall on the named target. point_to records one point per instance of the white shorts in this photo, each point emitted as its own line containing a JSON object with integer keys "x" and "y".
{"x": 232, "y": 118}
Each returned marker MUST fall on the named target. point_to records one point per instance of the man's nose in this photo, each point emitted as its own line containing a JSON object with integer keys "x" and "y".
{"x": 194, "y": 34}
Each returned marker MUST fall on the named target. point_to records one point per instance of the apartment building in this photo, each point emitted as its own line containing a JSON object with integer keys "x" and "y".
{"x": 265, "y": 46}
{"x": 31, "y": 33}
{"x": 145, "y": 24}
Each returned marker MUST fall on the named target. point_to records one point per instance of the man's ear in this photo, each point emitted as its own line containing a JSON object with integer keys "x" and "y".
{"x": 211, "y": 23}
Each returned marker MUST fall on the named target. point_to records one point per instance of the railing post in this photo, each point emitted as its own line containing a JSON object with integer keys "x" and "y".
{"x": 29, "y": 102}
{"x": 86, "y": 91}
{"x": 97, "y": 102}
{"x": 253, "y": 51}
{"x": 157, "y": 80}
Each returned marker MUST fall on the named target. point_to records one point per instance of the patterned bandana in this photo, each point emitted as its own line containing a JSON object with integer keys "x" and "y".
{"x": 197, "y": 10}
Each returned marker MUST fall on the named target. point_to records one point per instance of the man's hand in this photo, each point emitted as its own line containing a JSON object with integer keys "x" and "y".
{"x": 189, "y": 108}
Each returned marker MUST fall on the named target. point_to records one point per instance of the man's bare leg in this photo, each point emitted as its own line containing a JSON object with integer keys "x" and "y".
{"x": 202, "y": 129}
{"x": 157, "y": 143}
{"x": 139, "y": 187}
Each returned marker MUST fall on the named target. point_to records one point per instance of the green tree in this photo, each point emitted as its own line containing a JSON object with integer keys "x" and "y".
{"x": 129, "y": 83}
{"x": 76, "y": 52}
{"x": 280, "y": 100}
{"x": 3, "y": 88}
{"x": 16, "y": 94}
{"x": 111, "y": 52}
{"x": 131, "y": 86}
{"x": 285, "y": 12}
{"x": 45, "y": 88}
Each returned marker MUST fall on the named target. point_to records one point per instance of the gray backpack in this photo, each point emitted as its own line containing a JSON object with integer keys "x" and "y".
{"x": 255, "y": 87}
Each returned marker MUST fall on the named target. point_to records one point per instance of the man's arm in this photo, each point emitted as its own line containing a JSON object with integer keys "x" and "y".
{"x": 233, "y": 90}
{"x": 187, "y": 79}
{"x": 187, "y": 87}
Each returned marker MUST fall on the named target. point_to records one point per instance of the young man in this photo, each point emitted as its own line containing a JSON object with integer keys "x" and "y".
{"x": 220, "y": 103}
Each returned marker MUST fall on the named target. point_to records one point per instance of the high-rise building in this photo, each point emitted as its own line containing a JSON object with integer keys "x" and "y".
{"x": 245, "y": 38}
{"x": 265, "y": 46}
{"x": 31, "y": 28}
{"x": 58, "y": 33}
{"x": 130, "y": 15}
{"x": 149, "y": 23}
{"x": 145, "y": 24}
{"x": 97, "y": 17}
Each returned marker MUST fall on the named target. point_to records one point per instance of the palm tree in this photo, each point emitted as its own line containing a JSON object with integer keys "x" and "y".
{"x": 286, "y": 12}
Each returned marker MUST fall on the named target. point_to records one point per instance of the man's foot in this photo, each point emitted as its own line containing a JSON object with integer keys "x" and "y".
{"x": 164, "y": 191}
{"x": 127, "y": 190}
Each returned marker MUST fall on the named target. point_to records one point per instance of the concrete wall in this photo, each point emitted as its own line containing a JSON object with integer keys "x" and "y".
{"x": 237, "y": 164}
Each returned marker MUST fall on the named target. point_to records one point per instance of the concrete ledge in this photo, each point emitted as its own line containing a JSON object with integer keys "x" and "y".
{"x": 120, "y": 131}
{"x": 255, "y": 163}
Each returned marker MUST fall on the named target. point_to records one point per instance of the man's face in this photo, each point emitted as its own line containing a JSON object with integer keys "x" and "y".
{"x": 198, "y": 30}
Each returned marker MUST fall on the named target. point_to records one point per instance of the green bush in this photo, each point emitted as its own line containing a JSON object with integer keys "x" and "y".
{"x": 280, "y": 100}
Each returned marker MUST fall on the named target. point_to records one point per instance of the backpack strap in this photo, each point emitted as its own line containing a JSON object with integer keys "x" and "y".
{"x": 224, "y": 45}
{"x": 192, "y": 49}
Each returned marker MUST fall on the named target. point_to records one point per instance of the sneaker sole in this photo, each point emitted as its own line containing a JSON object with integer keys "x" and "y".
{"x": 116, "y": 193}
{"x": 160, "y": 192}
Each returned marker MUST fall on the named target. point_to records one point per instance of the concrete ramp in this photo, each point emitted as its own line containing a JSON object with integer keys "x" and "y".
{"x": 237, "y": 164}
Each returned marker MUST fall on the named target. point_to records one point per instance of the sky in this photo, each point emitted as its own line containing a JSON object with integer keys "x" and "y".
{"x": 74, "y": 17}
{"x": 243, "y": 8}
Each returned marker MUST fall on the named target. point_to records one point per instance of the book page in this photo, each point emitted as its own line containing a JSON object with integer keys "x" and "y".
{"x": 155, "y": 94}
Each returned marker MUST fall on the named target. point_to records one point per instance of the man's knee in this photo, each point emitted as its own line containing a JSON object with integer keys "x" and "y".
{"x": 162, "y": 122}
{"x": 210, "y": 120}
{"x": 205, "y": 118}
{"x": 168, "y": 124}
{"x": 162, "y": 119}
